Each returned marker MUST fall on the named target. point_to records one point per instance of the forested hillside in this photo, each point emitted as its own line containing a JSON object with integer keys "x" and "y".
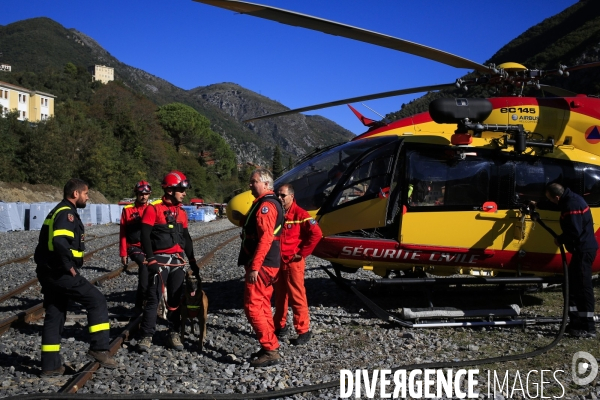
{"x": 111, "y": 137}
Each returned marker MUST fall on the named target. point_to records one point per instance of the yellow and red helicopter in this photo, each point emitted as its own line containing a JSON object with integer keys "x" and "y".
{"x": 447, "y": 190}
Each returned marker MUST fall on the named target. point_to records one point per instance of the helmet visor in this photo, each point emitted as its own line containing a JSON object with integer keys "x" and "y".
{"x": 185, "y": 184}
{"x": 143, "y": 189}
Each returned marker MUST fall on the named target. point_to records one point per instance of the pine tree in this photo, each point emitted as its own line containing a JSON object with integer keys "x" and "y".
{"x": 290, "y": 164}
{"x": 277, "y": 163}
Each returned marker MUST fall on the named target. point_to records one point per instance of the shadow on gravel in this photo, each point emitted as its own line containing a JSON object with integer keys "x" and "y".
{"x": 232, "y": 330}
{"x": 466, "y": 298}
{"x": 24, "y": 303}
{"x": 91, "y": 267}
{"x": 21, "y": 363}
{"x": 229, "y": 294}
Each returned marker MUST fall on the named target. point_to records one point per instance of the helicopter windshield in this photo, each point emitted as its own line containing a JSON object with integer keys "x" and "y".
{"x": 314, "y": 179}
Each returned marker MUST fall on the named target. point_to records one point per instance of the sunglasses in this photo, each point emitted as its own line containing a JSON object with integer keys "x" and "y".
{"x": 282, "y": 195}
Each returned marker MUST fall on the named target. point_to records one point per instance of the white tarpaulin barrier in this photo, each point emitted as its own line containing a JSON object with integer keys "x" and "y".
{"x": 88, "y": 215}
{"x": 115, "y": 213}
{"x": 20, "y": 216}
{"x": 9, "y": 218}
{"x": 37, "y": 214}
{"x": 23, "y": 209}
{"x": 102, "y": 214}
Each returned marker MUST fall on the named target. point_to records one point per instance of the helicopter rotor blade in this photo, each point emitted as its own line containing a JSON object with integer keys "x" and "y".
{"x": 573, "y": 68}
{"x": 359, "y": 98}
{"x": 582, "y": 66}
{"x": 347, "y": 31}
{"x": 556, "y": 91}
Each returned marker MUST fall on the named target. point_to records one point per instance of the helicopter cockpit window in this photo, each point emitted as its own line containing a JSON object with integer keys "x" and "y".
{"x": 441, "y": 180}
{"x": 531, "y": 179}
{"x": 370, "y": 178}
{"x": 314, "y": 179}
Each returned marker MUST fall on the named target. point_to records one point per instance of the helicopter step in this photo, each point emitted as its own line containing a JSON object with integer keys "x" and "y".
{"x": 511, "y": 311}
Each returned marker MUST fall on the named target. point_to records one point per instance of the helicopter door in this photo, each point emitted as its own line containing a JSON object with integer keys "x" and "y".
{"x": 445, "y": 196}
{"x": 359, "y": 203}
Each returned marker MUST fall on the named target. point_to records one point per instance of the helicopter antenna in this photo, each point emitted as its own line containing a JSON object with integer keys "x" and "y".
{"x": 366, "y": 106}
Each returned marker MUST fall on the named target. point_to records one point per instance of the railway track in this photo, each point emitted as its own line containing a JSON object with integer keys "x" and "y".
{"x": 36, "y": 312}
{"x": 26, "y": 257}
{"x": 85, "y": 374}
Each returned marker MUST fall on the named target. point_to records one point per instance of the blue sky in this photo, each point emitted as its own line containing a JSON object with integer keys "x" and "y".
{"x": 191, "y": 44}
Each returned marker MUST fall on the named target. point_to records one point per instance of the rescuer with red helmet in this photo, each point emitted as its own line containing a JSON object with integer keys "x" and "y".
{"x": 260, "y": 256}
{"x": 165, "y": 238}
{"x": 130, "y": 236}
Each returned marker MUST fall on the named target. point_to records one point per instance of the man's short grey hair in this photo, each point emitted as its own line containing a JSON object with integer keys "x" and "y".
{"x": 264, "y": 175}
{"x": 555, "y": 189}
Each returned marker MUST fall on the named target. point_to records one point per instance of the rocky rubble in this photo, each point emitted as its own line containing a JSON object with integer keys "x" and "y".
{"x": 346, "y": 335}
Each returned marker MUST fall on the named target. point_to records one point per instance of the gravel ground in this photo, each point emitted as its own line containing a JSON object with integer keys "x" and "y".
{"x": 345, "y": 334}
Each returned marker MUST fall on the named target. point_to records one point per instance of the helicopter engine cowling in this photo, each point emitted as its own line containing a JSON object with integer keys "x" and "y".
{"x": 452, "y": 111}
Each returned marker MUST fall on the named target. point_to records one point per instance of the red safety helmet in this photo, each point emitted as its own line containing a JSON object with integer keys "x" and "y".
{"x": 142, "y": 187}
{"x": 175, "y": 179}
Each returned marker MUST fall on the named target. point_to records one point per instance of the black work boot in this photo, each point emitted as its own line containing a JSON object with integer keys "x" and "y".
{"x": 302, "y": 339}
{"x": 258, "y": 353}
{"x": 103, "y": 357}
{"x": 53, "y": 372}
{"x": 282, "y": 332}
{"x": 174, "y": 341}
{"x": 269, "y": 357}
{"x": 145, "y": 344}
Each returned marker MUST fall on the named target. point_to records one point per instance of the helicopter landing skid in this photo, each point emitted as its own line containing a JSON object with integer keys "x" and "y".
{"x": 447, "y": 318}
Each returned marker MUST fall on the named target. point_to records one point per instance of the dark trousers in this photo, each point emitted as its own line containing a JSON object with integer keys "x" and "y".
{"x": 137, "y": 255}
{"x": 58, "y": 290}
{"x": 581, "y": 292}
{"x": 172, "y": 279}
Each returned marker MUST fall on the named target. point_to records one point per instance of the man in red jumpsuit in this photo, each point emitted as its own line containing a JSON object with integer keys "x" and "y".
{"x": 260, "y": 256}
{"x": 165, "y": 238}
{"x": 130, "y": 237}
{"x": 301, "y": 233}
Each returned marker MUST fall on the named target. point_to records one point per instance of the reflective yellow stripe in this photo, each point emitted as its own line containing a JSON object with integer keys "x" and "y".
{"x": 77, "y": 254}
{"x": 276, "y": 230}
{"x": 100, "y": 327}
{"x": 299, "y": 221}
{"x": 64, "y": 232}
{"x": 50, "y": 223}
{"x": 50, "y": 347}
{"x": 155, "y": 202}
{"x": 193, "y": 307}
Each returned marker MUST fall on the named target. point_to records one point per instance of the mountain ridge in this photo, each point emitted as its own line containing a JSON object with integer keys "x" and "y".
{"x": 252, "y": 143}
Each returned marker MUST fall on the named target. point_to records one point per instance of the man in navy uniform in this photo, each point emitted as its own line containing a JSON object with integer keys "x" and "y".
{"x": 59, "y": 255}
{"x": 579, "y": 238}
